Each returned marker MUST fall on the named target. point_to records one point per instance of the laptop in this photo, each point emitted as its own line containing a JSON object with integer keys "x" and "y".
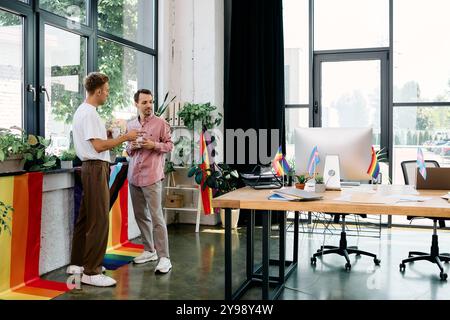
{"x": 437, "y": 179}
{"x": 297, "y": 194}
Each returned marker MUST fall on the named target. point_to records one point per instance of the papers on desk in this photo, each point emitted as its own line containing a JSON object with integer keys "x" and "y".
{"x": 446, "y": 197}
{"x": 292, "y": 194}
{"x": 405, "y": 197}
{"x": 380, "y": 199}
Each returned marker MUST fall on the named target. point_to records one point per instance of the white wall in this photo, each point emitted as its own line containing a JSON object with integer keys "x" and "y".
{"x": 191, "y": 59}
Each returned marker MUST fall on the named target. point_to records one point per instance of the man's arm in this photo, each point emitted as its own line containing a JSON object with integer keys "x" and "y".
{"x": 101, "y": 145}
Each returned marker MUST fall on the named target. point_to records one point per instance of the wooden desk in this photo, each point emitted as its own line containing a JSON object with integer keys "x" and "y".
{"x": 248, "y": 198}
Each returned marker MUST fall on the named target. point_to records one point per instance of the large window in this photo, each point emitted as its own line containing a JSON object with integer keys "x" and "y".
{"x": 11, "y": 70}
{"x": 48, "y": 47}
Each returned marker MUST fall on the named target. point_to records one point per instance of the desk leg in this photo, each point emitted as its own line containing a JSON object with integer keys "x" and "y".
{"x": 266, "y": 219}
{"x": 250, "y": 244}
{"x": 228, "y": 256}
{"x": 295, "y": 256}
{"x": 282, "y": 247}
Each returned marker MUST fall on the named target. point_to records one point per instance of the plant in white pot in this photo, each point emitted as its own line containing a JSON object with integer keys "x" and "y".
{"x": 67, "y": 158}
{"x": 222, "y": 179}
{"x": 320, "y": 186}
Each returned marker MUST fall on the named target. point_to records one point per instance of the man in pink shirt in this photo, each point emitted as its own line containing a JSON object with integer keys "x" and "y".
{"x": 145, "y": 175}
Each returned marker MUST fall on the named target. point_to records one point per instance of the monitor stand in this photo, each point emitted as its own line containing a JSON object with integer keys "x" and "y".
{"x": 332, "y": 173}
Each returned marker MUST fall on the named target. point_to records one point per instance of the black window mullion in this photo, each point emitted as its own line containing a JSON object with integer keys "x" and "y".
{"x": 127, "y": 43}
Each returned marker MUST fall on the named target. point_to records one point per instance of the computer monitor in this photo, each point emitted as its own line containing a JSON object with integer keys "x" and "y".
{"x": 352, "y": 145}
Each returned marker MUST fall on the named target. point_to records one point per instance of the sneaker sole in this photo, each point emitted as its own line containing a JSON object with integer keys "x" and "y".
{"x": 93, "y": 285}
{"x": 144, "y": 261}
{"x": 162, "y": 271}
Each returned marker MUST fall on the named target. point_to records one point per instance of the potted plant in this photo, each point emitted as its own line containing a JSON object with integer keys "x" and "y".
{"x": 320, "y": 186}
{"x": 12, "y": 147}
{"x": 191, "y": 112}
{"x": 5, "y": 210}
{"x": 67, "y": 158}
{"x": 291, "y": 172}
{"x": 301, "y": 180}
{"x": 163, "y": 107}
{"x": 222, "y": 179}
{"x": 35, "y": 156}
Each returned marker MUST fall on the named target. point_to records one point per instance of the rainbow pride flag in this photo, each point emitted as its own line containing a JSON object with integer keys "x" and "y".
{"x": 374, "y": 168}
{"x": 206, "y": 193}
{"x": 20, "y": 250}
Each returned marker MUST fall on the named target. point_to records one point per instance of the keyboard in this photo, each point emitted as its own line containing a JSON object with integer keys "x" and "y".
{"x": 267, "y": 186}
{"x": 350, "y": 184}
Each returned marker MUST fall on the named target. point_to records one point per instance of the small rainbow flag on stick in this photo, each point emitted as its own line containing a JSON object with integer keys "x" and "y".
{"x": 421, "y": 163}
{"x": 313, "y": 161}
{"x": 374, "y": 168}
{"x": 280, "y": 164}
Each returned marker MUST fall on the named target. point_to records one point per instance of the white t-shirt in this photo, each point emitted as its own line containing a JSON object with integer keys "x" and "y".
{"x": 87, "y": 125}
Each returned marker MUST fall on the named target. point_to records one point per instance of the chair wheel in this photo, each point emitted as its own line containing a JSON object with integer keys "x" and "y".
{"x": 313, "y": 261}
{"x": 402, "y": 267}
{"x": 348, "y": 266}
{"x": 376, "y": 261}
{"x": 443, "y": 276}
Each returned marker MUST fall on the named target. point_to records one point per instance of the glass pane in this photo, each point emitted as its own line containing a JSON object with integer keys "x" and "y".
{"x": 296, "y": 51}
{"x": 11, "y": 70}
{"x": 75, "y": 10}
{"x": 421, "y": 51}
{"x": 65, "y": 69}
{"x": 351, "y": 95}
{"x": 348, "y": 24}
{"x": 295, "y": 118}
{"x": 133, "y": 20}
{"x": 428, "y": 127}
{"x": 128, "y": 71}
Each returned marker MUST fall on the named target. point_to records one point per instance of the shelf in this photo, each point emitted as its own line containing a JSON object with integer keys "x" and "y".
{"x": 182, "y": 209}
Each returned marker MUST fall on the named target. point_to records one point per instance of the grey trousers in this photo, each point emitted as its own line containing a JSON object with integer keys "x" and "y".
{"x": 150, "y": 218}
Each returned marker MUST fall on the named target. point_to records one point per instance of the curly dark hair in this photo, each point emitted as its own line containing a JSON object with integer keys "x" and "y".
{"x": 95, "y": 80}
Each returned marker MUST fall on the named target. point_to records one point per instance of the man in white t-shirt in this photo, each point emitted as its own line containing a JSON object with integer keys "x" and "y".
{"x": 92, "y": 146}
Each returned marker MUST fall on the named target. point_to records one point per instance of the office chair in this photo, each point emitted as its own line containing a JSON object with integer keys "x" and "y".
{"x": 343, "y": 250}
{"x": 409, "y": 169}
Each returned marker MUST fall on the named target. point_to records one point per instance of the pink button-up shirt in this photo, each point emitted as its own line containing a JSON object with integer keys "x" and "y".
{"x": 147, "y": 166}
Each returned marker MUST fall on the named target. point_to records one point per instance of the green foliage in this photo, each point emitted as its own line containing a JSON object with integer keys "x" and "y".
{"x": 11, "y": 143}
{"x": 5, "y": 219}
{"x": 169, "y": 167}
{"x": 220, "y": 177}
{"x": 163, "y": 107}
{"x": 319, "y": 179}
{"x": 68, "y": 155}
{"x": 301, "y": 178}
{"x": 192, "y": 112}
{"x": 35, "y": 157}
{"x": 118, "y": 150}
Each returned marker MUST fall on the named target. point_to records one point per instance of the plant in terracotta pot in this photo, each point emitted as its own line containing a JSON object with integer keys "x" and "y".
{"x": 301, "y": 180}
{"x": 222, "y": 179}
{"x": 320, "y": 186}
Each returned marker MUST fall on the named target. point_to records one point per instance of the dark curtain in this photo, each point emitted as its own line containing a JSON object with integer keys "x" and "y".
{"x": 254, "y": 75}
{"x": 254, "y": 69}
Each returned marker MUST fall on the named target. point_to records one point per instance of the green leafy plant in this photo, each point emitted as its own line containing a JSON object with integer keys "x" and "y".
{"x": 68, "y": 155}
{"x": 319, "y": 179}
{"x": 220, "y": 177}
{"x": 302, "y": 178}
{"x": 192, "y": 112}
{"x": 5, "y": 219}
{"x": 35, "y": 157}
{"x": 163, "y": 107}
{"x": 169, "y": 167}
{"x": 11, "y": 143}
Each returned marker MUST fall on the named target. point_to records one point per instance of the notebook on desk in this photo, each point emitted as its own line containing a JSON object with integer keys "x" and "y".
{"x": 292, "y": 194}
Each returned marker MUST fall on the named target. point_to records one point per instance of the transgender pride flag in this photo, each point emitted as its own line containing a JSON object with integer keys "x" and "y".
{"x": 313, "y": 161}
{"x": 421, "y": 163}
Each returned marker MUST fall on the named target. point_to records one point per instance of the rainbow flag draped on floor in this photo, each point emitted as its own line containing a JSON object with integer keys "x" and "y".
{"x": 20, "y": 250}
{"x": 374, "y": 168}
{"x": 280, "y": 164}
{"x": 206, "y": 193}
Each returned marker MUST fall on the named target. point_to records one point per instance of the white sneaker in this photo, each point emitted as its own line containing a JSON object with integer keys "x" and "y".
{"x": 163, "y": 266}
{"x": 98, "y": 280}
{"x": 146, "y": 256}
{"x": 73, "y": 269}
